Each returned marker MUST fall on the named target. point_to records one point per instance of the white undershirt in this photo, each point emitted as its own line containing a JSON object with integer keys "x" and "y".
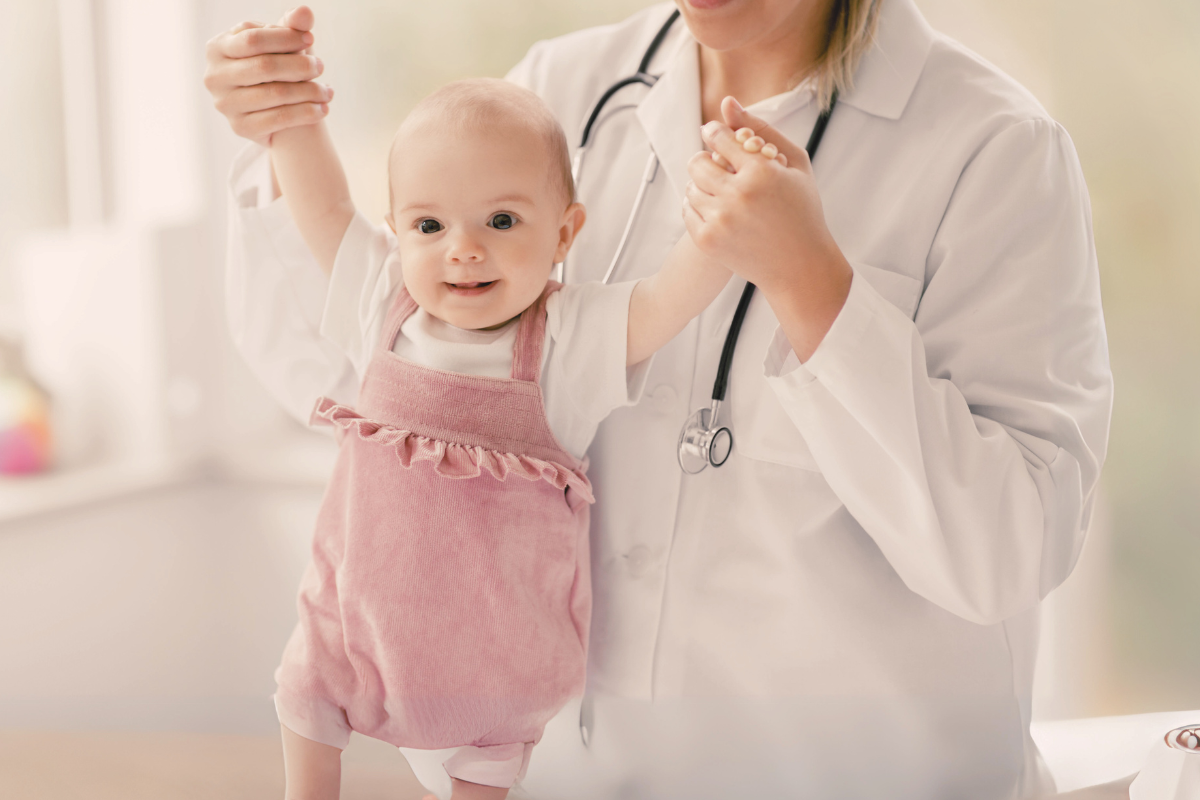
{"x": 425, "y": 339}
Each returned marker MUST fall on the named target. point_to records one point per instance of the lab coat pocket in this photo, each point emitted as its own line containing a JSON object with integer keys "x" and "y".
{"x": 761, "y": 427}
{"x": 900, "y": 290}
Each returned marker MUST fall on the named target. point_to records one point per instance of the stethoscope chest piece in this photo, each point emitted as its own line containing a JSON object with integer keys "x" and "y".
{"x": 702, "y": 443}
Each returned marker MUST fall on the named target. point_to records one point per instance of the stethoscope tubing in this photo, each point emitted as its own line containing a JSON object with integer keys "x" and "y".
{"x": 645, "y": 78}
{"x": 641, "y": 76}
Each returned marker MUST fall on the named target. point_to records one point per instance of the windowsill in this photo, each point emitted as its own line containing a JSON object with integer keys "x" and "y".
{"x": 302, "y": 457}
{"x": 29, "y": 495}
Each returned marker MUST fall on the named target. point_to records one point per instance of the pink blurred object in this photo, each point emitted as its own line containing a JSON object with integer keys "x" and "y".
{"x": 25, "y": 440}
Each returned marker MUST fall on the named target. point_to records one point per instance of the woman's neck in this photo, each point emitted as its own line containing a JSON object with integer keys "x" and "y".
{"x": 766, "y": 66}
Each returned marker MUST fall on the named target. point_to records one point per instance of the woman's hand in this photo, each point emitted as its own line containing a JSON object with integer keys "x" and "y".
{"x": 261, "y": 79}
{"x": 764, "y": 221}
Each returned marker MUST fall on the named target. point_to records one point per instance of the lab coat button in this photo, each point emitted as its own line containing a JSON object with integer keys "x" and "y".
{"x": 663, "y": 398}
{"x": 638, "y": 560}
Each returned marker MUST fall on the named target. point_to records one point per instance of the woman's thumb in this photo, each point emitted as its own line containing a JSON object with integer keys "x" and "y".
{"x": 300, "y": 18}
{"x": 738, "y": 117}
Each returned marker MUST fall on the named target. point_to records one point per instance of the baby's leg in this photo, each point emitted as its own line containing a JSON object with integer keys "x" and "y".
{"x": 313, "y": 770}
{"x": 464, "y": 790}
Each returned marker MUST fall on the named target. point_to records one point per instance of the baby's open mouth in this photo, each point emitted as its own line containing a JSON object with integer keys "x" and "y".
{"x": 470, "y": 287}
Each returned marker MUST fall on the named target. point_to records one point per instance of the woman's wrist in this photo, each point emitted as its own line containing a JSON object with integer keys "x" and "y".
{"x": 807, "y": 301}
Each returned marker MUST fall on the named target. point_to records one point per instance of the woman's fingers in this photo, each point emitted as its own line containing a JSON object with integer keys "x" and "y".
{"x": 700, "y": 201}
{"x": 723, "y": 140}
{"x": 252, "y": 99}
{"x": 241, "y": 26}
{"x": 737, "y": 117}
{"x": 260, "y": 75}
{"x": 707, "y": 173}
{"x": 260, "y": 125}
{"x": 262, "y": 39}
{"x": 270, "y": 68}
{"x": 693, "y": 222}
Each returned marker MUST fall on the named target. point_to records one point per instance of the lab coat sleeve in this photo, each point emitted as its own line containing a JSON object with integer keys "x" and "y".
{"x": 968, "y": 444}
{"x": 525, "y": 72}
{"x": 366, "y": 279}
{"x": 275, "y": 295}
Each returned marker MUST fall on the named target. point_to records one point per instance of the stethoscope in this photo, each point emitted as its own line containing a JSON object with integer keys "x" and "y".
{"x": 702, "y": 441}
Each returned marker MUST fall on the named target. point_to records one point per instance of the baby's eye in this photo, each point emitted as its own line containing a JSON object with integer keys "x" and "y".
{"x": 502, "y": 222}
{"x": 429, "y": 226}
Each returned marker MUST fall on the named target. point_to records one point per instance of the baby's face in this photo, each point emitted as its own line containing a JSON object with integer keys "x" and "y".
{"x": 479, "y": 219}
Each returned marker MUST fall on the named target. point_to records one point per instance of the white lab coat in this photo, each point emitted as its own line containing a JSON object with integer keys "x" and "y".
{"x": 849, "y": 607}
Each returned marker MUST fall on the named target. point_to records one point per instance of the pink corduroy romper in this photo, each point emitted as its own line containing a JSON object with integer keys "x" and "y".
{"x": 448, "y": 597}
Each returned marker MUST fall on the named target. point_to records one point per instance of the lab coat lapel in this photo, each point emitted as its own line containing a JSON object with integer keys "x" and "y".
{"x": 889, "y": 70}
{"x": 670, "y": 114}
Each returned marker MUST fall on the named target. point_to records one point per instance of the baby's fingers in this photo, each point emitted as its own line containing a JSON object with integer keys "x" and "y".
{"x": 768, "y": 150}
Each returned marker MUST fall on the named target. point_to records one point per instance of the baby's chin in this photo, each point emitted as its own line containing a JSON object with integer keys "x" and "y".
{"x": 477, "y": 307}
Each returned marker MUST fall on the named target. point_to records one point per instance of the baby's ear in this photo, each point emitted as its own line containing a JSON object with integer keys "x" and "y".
{"x": 572, "y": 220}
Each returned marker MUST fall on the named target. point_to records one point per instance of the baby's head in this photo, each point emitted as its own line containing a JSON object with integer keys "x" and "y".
{"x": 482, "y": 201}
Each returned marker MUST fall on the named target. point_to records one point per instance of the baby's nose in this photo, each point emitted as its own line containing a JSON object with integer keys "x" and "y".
{"x": 464, "y": 247}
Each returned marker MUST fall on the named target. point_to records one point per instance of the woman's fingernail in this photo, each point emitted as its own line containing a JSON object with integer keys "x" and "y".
{"x": 329, "y": 89}
{"x": 736, "y": 104}
{"x": 318, "y": 65}
{"x": 324, "y": 109}
{"x": 306, "y": 37}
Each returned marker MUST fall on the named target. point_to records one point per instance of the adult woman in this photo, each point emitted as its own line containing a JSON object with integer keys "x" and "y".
{"x": 919, "y": 398}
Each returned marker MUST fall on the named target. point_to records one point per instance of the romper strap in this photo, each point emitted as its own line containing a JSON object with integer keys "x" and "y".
{"x": 401, "y": 309}
{"x": 531, "y": 337}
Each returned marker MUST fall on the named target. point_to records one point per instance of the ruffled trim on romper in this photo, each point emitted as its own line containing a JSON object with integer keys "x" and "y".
{"x": 449, "y": 459}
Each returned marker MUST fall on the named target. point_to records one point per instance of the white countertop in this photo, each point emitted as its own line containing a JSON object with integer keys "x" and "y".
{"x": 1087, "y": 752}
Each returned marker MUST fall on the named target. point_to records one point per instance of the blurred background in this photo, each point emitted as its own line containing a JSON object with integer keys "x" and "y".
{"x": 148, "y": 576}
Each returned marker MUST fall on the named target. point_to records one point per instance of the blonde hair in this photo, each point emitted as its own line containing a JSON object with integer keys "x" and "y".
{"x": 850, "y": 34}
{"x": 478, "y": 104}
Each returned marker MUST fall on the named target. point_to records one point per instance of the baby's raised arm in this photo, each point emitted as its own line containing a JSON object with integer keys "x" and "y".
{"x": 663, "y": 304}
{"x": 314, "y": 185}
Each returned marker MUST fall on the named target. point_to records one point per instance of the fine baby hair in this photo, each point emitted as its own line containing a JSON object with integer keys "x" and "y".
{"x": 486, "y": 106}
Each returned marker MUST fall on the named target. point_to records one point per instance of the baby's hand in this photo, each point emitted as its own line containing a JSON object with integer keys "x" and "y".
{"x": 751, "y": 143}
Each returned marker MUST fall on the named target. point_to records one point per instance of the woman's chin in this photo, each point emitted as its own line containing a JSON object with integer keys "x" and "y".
{"x": 724, "y": 25}
{"x": 708, "y": 5}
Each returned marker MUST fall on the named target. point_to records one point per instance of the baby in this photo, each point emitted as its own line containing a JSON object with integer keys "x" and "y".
{"x": 447, "y": 601}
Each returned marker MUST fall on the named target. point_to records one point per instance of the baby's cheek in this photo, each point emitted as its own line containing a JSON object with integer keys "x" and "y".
{"x": 421, "y": 282}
